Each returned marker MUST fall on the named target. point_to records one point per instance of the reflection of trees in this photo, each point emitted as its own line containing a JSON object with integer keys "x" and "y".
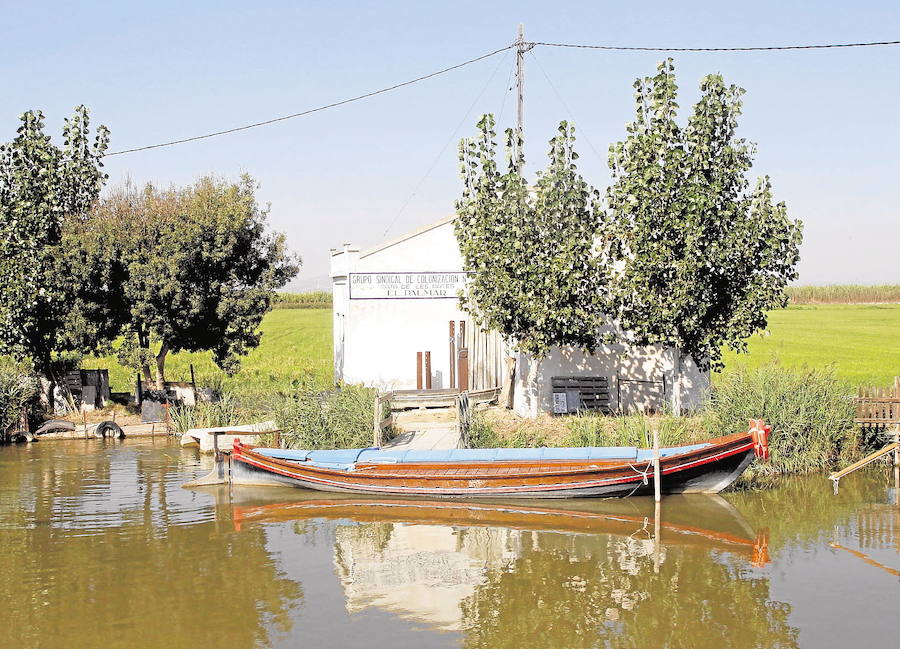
{"x": 608, "y": 595}
{"x": 157, "y": 578}
{"x": 802, "y": 509}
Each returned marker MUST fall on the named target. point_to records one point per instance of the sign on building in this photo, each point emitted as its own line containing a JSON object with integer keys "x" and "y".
{"x": 414, "y": 285}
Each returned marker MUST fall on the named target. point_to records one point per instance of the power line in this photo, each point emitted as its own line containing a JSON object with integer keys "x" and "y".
{"x": 488, "y": 55}
{"x": 318, "y": 108}
{"x": 622, "y": 48}
{"x": 565, "y": 105}
{"x": 440, "y": 154}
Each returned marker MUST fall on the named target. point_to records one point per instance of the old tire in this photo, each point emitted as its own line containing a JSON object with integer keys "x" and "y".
{"x": 54, "y": 425}
{"x": 109, "y": 429}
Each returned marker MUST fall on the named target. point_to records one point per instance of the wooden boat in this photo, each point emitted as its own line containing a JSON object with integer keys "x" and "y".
{"x": 706, "y": 467}
{"x": 707, "y": 522}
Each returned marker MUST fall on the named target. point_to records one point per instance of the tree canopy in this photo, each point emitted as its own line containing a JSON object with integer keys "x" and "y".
{"x": 537, "y": 278}
{"x": 41, "y": 186}
{"x": 190, "y": 269}
{"x": 682, "y": 253}
{"x": 700, "y": 256}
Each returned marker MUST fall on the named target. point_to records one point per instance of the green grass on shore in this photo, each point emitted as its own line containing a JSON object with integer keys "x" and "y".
{"x": 861, "y": 341}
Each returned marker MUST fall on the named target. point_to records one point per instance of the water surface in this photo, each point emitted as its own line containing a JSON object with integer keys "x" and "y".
{"x": 101, "y": 547}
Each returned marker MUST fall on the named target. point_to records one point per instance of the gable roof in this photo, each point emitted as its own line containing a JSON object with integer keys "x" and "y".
{"x": 404, "y": 237}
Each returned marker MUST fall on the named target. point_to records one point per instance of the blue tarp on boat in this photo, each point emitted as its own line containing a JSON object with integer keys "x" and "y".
{"x": 343, "y": 459}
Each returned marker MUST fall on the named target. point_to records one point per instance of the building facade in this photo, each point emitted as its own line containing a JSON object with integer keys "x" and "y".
{"x": 398, "y": 325}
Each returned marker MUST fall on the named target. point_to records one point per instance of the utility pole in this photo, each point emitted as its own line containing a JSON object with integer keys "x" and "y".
{"x": 520, "y": 79}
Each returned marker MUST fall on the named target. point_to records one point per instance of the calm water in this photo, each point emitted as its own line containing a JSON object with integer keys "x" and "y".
{"x": 101, "y": 547}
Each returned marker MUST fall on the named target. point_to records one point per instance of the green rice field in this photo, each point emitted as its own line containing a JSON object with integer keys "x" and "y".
{"x": 296, "y": 348}
{"x": 861, "y": 341}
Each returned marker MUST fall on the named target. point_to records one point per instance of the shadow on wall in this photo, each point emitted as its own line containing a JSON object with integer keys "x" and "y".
{"x": 640, "y": 379}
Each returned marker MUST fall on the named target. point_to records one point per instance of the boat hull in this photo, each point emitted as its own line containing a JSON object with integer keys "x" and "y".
{"x": 704, "y": 471}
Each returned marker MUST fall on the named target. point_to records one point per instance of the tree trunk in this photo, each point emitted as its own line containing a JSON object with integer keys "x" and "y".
{"x": 161, "y": 366}
{"x": 533, "y": 388}
{"x": 675, "y": 399}
{"x": 144, "y": 343}
{"x": 49, "y": 386}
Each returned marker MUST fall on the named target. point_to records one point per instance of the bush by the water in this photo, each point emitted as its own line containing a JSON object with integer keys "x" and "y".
{"x": 811, "y": 413}
{"x": 340, "y": 418}
{"x": 19, "y": 390}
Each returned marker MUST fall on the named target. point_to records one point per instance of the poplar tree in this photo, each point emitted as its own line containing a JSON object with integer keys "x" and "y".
{"x": 700, "y": 255}
{"x": 41, "y": 186}
{"x": 536, "y": 275}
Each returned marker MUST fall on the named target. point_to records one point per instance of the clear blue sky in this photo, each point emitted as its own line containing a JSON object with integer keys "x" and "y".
{"x": 826, "y": 122}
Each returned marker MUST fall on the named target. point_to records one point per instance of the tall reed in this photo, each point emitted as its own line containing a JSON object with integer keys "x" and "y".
{"x": 340, "y": 418}
{"x": 844, "y": 294}
{"x": 225, "y": 411}
{"x": 309, "y": 300}
{"x": 810, "y": 410}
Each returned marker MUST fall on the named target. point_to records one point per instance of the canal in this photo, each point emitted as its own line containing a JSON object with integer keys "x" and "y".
{"x": 100, "y": 546}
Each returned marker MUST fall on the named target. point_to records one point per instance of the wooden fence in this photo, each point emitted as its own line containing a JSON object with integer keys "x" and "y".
{"x": 879, "y": 407}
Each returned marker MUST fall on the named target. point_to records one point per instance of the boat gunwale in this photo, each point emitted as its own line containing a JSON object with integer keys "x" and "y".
{"x": 734, "y": 443}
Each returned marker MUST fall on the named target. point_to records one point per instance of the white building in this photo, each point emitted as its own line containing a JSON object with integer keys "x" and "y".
{"x": 396, "y": 304}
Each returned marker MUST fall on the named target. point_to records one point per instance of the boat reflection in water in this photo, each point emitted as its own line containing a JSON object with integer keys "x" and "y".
{"x": 459, "y": 565}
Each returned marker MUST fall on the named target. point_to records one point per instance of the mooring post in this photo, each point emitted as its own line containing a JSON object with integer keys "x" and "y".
{"x": 656, "y": 471}
{"x": 657, "y": 524}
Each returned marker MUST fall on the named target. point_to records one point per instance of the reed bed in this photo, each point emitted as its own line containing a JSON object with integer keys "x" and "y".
{"x": 309, "y": 300}
{"x": 340, "y": 418}
{"x": 19, "y": 389}
{"x": 844, "y": 294}
{"x": 224, "y": 411}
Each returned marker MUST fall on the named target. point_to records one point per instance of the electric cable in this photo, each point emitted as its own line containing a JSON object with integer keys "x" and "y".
{"x": 316, "y": 109}
{"x": 440, "y": 154}
{"x": 766, "y": 48}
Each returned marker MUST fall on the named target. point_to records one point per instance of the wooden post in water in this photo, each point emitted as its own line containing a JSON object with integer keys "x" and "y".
{"x": 897, "y": 424}
{"x": 657, "y": 524}
{"x": 656, "y": 471}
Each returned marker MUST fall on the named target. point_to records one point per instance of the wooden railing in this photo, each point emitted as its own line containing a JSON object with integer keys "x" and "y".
{"x": 877, "y": 408}
{"x": 389, "y": 402}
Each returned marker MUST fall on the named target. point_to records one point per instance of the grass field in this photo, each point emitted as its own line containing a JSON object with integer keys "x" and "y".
{"x": 296, "y": 347}
{"x": 861, "y": 341}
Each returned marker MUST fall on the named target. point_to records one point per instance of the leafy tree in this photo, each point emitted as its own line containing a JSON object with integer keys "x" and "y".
{"x": 701, "y": 256}
{"x": 190, "y": 269}
{"x": 537, "y": 278}
{"x": 41, "y": 185}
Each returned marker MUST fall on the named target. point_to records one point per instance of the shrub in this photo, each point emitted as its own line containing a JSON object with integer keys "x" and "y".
{"x": 340, "y": 418}
{"x": 19, "y": 390}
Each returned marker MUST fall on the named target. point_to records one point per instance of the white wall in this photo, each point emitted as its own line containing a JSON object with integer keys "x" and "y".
{"x": 381, "y": 336}
{"x": 376, "y": 340}
{"x": 653, "y": 363}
